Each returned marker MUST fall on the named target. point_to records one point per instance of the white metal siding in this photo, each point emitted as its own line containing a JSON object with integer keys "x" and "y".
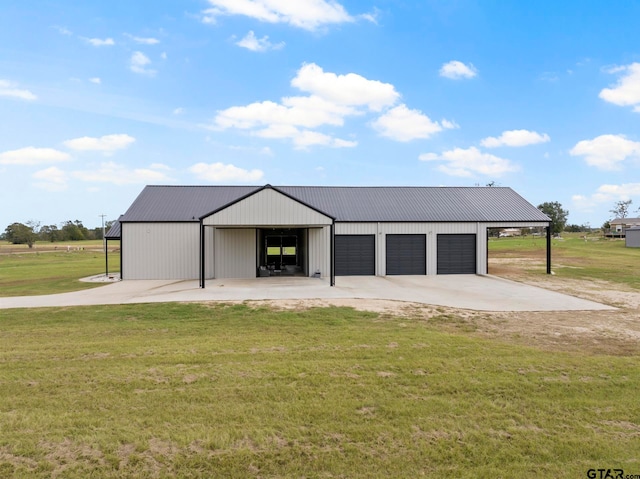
{"x": 209, "y": 255}
{"x": 356, "y": 228}
{"x": 319, "y": 247}
{"x": 235, "y": 253}
{"x": 268, "y": 208}
{"x": 514, "y": 224}
{"x": 160, "y": 250}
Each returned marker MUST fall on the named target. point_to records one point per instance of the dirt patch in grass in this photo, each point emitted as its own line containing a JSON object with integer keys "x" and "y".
{"x": 613, "y": 294}
{"x": 600, "y": 332}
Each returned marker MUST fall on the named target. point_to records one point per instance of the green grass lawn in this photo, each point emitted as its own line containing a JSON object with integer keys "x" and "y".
{"x": 188, "y": 390}
{"x": 574, "y": 257}
{"x": 43, "y": 270}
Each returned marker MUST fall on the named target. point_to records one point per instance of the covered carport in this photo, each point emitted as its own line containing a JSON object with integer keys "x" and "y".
{"x": 264, "y": 231}
{"x": 545, "y": 226}
{"x": 114, "y": 234}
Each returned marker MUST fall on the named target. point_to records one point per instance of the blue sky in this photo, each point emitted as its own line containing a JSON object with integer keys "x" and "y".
{"x": 98, "y": 99}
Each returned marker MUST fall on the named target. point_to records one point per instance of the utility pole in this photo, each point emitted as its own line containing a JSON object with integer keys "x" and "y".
{"x": 104, "y": 248}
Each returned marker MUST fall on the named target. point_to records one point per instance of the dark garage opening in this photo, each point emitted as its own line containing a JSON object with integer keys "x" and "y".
{"x": 406, "y": 254}
{"x": 456, "y": 254}
{"x": 282, "y": 251}
{"x": 355, "y": 255}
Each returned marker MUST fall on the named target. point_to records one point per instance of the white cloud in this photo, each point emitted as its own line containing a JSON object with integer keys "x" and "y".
{"x": 303, "y": 139}
{"x": 466, "y": 163}
{"x": 33, "y": 156}
{"x": 105, "y": 143}
{"x": 457, "y": 70}
{"x": 10, "y": 89}
{"x": 160, "y": 166}
{"x": 62, "y": 30}
{"x": 627, "y": 91}
{"x": 51, "y": 179}
{"x": 306, "y": 14}
{"x": 163, "y": 55}
{"x": 515, "y": 138}
{"x": 282, "y": 121}
{"x": 178, "y": 111}
{"x": 95, "y": 80}
{"x": 265, "y": 150}
{"x": 449, "y": 125}
{"x": 143, "y": 40}
{"x": 117, "y": 174}
{"x": 606, "y": 152}
{"x": 219, "y": 172}
{"x": 350, "y": 89}
{"x": 309, "y": 112}
{"x": 251, "y": 42}
{"x": 402, "y": 124}
{"x": 606, "y": 194}
{"x": 611, "y": 69}
{"x": 99, "y": 42}
{"x": 370, "y": 17}
{"x": 332, "y": 98}
{"x": 139, "y": 62}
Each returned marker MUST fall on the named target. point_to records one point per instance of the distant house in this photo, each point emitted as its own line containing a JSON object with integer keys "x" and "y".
{"x": 619, "y": 225}
{"x": 190, "y": 232}
{"x": 507, "y": 232}
{"x": 632, "y": 239}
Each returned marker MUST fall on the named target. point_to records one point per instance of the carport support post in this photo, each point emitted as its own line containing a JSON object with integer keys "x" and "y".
{"x": 201, "y": 254}
{"x": 549, "y": 249}
{"x": 332, "y": 241}
{"x": 106, "y": 256}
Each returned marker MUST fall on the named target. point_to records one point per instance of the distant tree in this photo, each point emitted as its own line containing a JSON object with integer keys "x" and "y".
{"x": 606, "y": 226}
{"x": 584, "y": 228}
{"x": 73, "y": 231}
{"x": 557, "y": 214}
{"x": 19, "y": 233}
{"x": 96, "y": 233}
{"x": 621, "y": 208}
{"x": 49, "y": 233}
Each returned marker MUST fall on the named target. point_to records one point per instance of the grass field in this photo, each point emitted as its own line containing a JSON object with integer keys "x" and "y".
{"x": 51, "y": 267}
{"x": 187, "y": 390}
{"x": 573, "y": 256}
{"x": 193, "y": 390}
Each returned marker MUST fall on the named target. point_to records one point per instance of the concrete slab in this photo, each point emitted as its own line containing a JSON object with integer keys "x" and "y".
{"x": 482, "y": 293}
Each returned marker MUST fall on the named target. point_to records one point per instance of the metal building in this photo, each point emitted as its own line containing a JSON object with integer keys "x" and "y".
{"x": 205, "y": 232}
{"x": 632, "y": 237}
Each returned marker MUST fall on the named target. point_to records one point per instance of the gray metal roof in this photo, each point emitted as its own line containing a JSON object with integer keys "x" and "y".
{"x": 182, "y": 203}
{"x": 418, "y": 203}
{"x": 114, "y": 231}
{"x": 457, "y": 204}
{"x": 624, "y": 221}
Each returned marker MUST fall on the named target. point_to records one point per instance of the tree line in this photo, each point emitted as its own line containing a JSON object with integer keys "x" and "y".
{"x": 559, "y": 215}
{"x": 555, "y": 211}
{"x": 31, "y": 231}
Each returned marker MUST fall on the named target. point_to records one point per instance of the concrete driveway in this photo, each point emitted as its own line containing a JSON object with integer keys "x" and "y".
{"x": 482, "y": 293}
